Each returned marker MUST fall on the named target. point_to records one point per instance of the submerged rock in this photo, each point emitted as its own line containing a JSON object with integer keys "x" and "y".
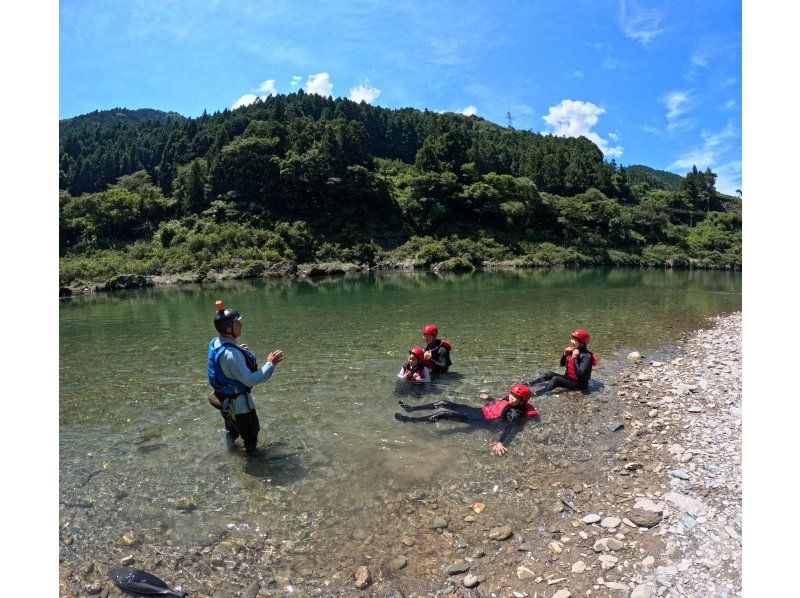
{"x": 363, "y": 578}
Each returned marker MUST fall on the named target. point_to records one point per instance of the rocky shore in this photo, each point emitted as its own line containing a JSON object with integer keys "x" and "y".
{"x": 290, "y": 269}
{"x": 654, "y": 511}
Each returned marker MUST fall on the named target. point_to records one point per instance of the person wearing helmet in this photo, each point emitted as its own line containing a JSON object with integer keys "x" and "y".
{"x": 577, "y": 362}
{"x": 232, "y": 372}
{"x": 414, "y": 370}
{"x": 437, "y": 351}
{"x": 506, "y": 411}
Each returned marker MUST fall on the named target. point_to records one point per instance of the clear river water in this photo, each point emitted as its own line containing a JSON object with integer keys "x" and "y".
{"x": 135, "y": 421}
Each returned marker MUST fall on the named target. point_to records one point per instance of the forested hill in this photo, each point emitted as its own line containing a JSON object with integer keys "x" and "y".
{"x": 116, "y": 116}
{"x": 308, "y": 178}
{"x": 654, "y": 179}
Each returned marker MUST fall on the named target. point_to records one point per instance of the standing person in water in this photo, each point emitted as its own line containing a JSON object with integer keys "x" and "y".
{"x": 577, "y": 362}
{"x": 232, "y": 372}
{"x": 414, "y": 370}
{"x": 506, "y": 410}
{"x": 437, "y": 351}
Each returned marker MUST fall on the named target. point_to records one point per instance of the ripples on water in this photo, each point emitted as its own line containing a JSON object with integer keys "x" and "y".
{"x": 134, "y": 415}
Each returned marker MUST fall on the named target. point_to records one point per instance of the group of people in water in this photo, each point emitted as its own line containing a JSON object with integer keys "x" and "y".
{"x": 233, "y": 371}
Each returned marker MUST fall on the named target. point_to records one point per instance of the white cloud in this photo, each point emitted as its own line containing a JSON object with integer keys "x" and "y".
{"x": 700, "y": 60}
{"x": 245, "y": 100}
{"x": 730, "y": 104}
{"x": 268, "y": 87}
{"x": 469, "y": 111}
{"x": 610, "y": 63}
{"x": 714, "y": 153}
{"x": 295, "y": 80}
{"x": 319, "y": 84}
{"x": 639, "y": 23}
{"x": 613, "y": 136}
{"x": 364, "y": 93}
{"x": 574, "y": 118}
{"x": 677, "y": 104}
{"x": 577, "y": 74}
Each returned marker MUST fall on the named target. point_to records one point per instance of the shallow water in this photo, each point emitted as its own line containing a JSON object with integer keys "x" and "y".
{"x": 137, "y": 433}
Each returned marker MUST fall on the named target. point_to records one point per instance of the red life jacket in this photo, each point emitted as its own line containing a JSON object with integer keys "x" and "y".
{"x": 409, "y": 372}
{"x": 495, "y": 409}
{"x": 570, "y": 365}
{"x": 432, "y": 365}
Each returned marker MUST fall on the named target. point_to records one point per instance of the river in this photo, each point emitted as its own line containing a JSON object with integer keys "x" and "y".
{"x": 142, "y": 452}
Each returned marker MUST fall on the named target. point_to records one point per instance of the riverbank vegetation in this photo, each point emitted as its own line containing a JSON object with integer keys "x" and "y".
{"x": 306, "y": 178}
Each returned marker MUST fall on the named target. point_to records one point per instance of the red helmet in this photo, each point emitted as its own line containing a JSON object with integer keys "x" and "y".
{"x": 430, "y": 329}
{"x": 418, "y": 351}
{"x": 581, "y": 335}
{"x": 521, "y": 391}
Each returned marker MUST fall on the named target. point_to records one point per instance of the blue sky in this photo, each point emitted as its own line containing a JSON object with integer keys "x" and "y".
{"x": 655, "y": 83}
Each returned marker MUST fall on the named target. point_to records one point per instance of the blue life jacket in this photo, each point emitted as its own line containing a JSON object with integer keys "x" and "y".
{"x": 225, "y": 387}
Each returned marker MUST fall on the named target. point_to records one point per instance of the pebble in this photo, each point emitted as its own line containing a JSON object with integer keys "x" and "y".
{"x": 128, "y": 560}
{"x": 252, "y": 590}
{"x": 605, "y": 544}
{"x": 633, "y": 466}
{"x": 615, "y": 585}
{"x": 591, "y": 518}
{"x": 524, "y": 573}
{"x": 610, "y": 522}
{"x": 439, "y": 523}
{"x": 397, "y": 563}
{"x": 634, "y": 355}
{"x": 686, "y": 457}
{"x": 648, "y": 560}
{"x": 579, "y": 567}
{"x": 470, "y": 581}
{"x": 500, "y": 533}
{"x": 363, "y": 578}
{"x": 562, "y": 594}
{"x": 644, "y": 518}
{"x": 681, "y": 474}
{"x": 478, "y": 507}
{"x": 689, "y": 522}
{"x": 695, "y": 409}
{"x": 642, "y": 591}
{"x": 555, "y": 547}
{"x": 456, "y": 568}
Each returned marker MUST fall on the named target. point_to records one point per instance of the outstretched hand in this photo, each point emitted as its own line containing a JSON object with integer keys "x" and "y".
{"x": 498, "y": 448}
{"x": 275, "y": 357}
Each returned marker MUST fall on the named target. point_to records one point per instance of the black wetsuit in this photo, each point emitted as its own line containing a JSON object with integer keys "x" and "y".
{"x": 465, "y": 413}
{"x": 583, "y": 371}
{"x": 440, "y": 357}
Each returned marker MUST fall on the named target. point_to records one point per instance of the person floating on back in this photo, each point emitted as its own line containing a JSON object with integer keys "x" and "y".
{"x": 507, "y": 410}
{"x": 232, "y": 372}
{"x": 577, "y": 362}
{"x": 437, "y": 351}
{"x": 414, "y": 370}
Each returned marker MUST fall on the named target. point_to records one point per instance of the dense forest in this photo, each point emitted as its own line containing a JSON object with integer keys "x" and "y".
{"x": 306, "y": 178}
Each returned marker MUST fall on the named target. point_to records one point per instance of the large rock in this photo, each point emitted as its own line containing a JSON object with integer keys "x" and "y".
{"x": 126, "y": 281}
{"x": 645, "y": 518}
{"x": 282, "y": 269}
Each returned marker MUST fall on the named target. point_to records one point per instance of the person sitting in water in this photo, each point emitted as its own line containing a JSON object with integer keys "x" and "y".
{"x": 577, "y": 362}
{"x": 232, "y": 372}
{"x": 508, "y": 409}
{"x": 414, "y": 370}
{"x": 437, "y": 351}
